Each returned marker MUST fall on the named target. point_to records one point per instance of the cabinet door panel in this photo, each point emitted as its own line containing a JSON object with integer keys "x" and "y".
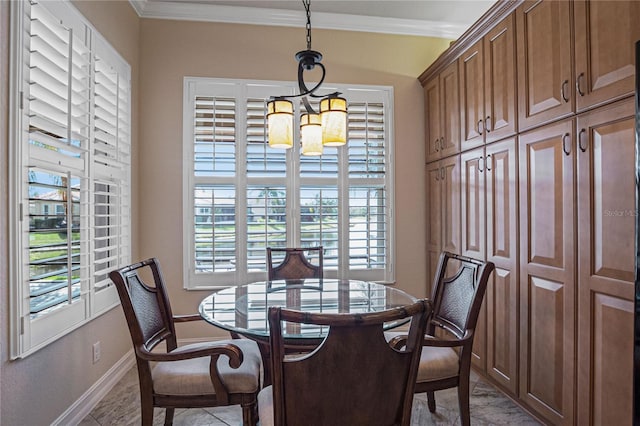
{"x": 502, "y": 348}
{"x": 432, "y": 124}
{"x": 545, "y": 337}
{"x": 545, "y": 81}
{"x": 605, "y": 54}
{"x": 472, "y": 218}
{"x": 502, "y": 292}
{"x": 449, "y": 95}
{"x": 606, "y": 263}
{"x": 434, "y": 217}
{"x": 612, "y": 363}
{"x": 500, "y": 81}
{"x": 451, "y": 204}
{"x": 547, "y": 262}
{"x": 472, "y": 97}
{"x": 472, "y": 203}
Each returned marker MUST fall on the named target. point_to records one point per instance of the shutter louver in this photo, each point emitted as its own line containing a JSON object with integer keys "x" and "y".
{"x": 262, "y": 160}
{"x": 266, "y": 223}
{"x": 215, "y": 137}
{"x": 366, "y": 140}
{"x": 325, "y": 165}
{"x": 215, "y": 228}
{"x": 319, "y": 221}
{"x": 367, "y": 228}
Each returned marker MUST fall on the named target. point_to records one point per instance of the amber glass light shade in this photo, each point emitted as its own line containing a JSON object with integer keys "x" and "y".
{"x": 333, "y": 115}
{"x": 311, "y": 134}
{"x": 280, "y": 122}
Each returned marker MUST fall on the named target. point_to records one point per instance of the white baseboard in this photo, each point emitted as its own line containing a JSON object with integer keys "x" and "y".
{"x": 83, "y": 406}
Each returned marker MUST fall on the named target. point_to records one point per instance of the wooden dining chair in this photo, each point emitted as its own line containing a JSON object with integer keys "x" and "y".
{"x": 209, "y": 374}
{"x": 354, "y": 377}
{"x": 295, "y": 265}
{"x": 445, "y": 361}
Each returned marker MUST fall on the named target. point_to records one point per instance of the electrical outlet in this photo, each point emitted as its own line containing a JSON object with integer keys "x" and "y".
{"x": 96, "y": 352}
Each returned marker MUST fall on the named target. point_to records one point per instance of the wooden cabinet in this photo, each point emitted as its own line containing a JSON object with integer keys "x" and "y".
{"x": 605, "y": 36}
{"x": 547, "y": 192}
{"x": 547, "y": 271}
{"x": 545, "y": 79}
{"x": 488, "y": 87}
{"x": 606, "y": 255}
{"x": 489, "y": 230}
{"x": 443, "y": 211}
{"x": 442, "y": 106}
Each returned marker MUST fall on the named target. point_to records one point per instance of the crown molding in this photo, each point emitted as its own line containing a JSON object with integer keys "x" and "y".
{"x": 288, "y": 18}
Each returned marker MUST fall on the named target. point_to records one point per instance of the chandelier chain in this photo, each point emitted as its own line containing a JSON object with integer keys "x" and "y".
{"x": 307, "y": 6}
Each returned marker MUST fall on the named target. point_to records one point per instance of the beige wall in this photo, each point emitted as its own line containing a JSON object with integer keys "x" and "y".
{"x": 174, "y": 49}
{"x": 38, "y": 389}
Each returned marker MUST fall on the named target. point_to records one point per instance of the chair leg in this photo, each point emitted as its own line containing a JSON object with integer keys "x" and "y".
{"x": 168, "y": 416}
{"x": 249, "y": 413}
{"x": 147, "y": 413}
{"x": 431, "y": 401}
{"x": 463, "y": 400}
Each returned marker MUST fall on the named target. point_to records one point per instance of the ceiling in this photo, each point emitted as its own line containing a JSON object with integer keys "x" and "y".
{"x": 434, "y": 18}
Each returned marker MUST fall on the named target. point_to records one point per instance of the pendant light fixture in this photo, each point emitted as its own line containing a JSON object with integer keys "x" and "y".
{"x": 326, "y": 128}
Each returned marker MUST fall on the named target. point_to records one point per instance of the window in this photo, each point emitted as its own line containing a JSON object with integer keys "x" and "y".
{"x": 240, "y": 196}
{"x": 70, "y": 182}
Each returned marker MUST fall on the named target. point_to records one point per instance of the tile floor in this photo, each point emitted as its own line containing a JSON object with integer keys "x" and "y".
{"x": 488, "y": 407}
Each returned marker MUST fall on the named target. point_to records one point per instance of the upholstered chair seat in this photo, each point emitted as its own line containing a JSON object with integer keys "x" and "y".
{"x": 192, "y": 376}
{"x": 436, "y": 363}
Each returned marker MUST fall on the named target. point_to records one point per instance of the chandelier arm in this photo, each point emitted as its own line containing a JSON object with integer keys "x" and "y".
{"x": 308, "y": 106}
{"x": 301, "y": 84}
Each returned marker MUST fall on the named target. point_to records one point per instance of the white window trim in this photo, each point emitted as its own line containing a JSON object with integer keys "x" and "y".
{"x": 204, "y": 281}
{"x": 29, "y": 335}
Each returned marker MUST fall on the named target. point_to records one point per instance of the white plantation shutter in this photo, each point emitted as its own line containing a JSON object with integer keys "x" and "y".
{"x": 215, "y": 136}
{"x": 262, "y": 161}
{"x": 241, "y": 196}
{"x": 111, "y": 166}
{"x": 72, "y": 119}
{"x": 214, "y": 198}
{"x": 319, "y": 221}
{"x": 266, "y": 223}
{"x": 325, "y": 165}
{"x": 215, "y": 228}
{"x": 369, "y": 237}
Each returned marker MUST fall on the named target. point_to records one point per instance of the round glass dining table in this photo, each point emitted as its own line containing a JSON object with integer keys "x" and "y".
{"x": 244, "y": 309}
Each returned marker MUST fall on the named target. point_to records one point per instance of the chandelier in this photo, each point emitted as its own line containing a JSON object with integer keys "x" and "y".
{"x": 326, "y": 128}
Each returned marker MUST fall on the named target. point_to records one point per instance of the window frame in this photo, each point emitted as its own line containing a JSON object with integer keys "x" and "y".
{"x": 31, "y": 332}
{"x": 239, "y": 89}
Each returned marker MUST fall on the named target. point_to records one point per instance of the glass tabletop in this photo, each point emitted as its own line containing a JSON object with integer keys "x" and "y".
{"x": 243, "y": 309}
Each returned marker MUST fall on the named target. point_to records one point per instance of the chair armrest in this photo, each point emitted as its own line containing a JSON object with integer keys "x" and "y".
{"x": 187, "y": 318}
{"x": 213, "y": 349}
